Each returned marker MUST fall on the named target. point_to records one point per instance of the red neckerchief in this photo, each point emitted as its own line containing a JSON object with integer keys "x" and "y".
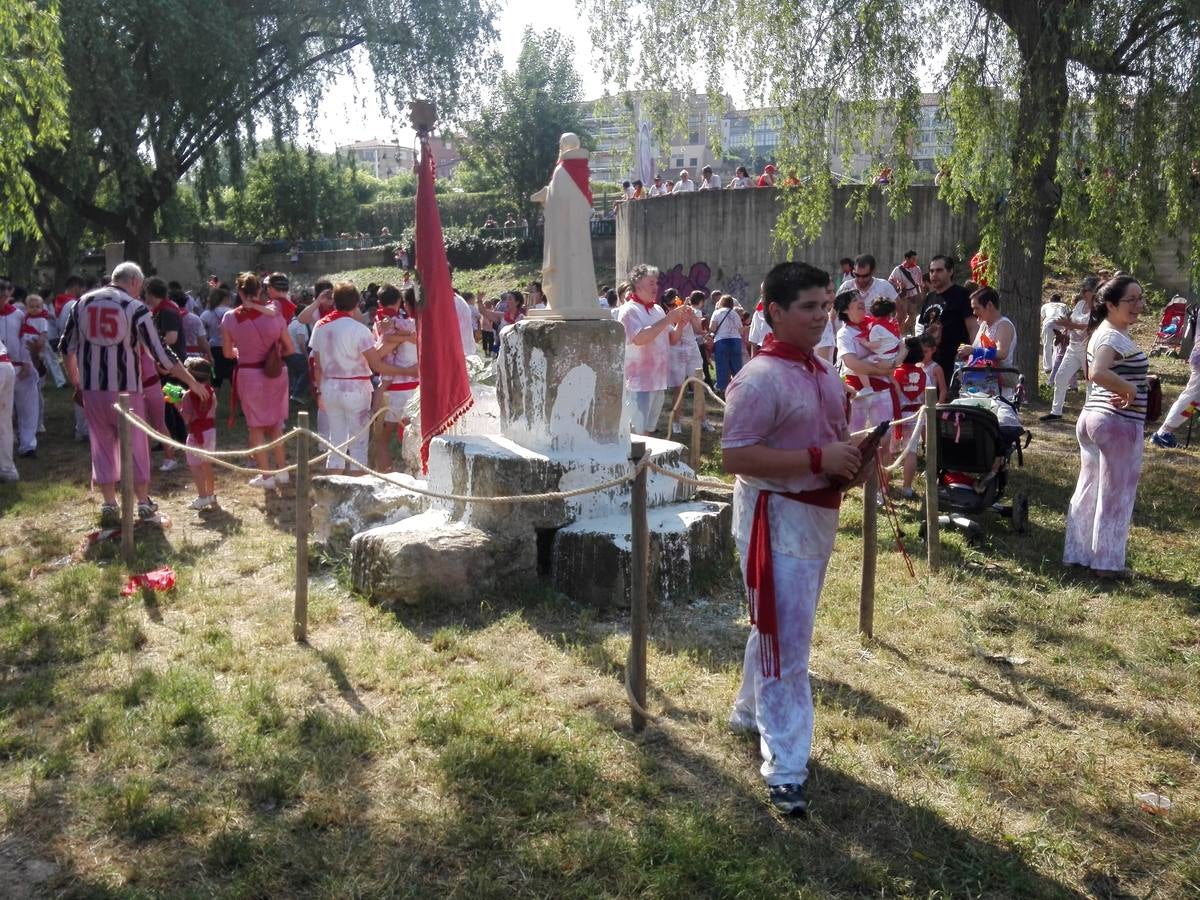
{"x": 203, "y": 419}
{"x": 60, "y": 301}
{"x": 334, "y": 316}
{"x": 773, "y": 346}
{"x": 386, "y": 312}
{"x": 8, "y": 309}
{"x": 760, "y": 576}
{"x": 578, "y": 170}
{"x": 512, "y": 316}
{"x": 758, "y": 308}
{"x": 170, "y": 306}
{"x": 44, "y": 314}
{"x": 649, "y": 305}
{"x": 890, "y": 324}
{"x": 909, "y": 265}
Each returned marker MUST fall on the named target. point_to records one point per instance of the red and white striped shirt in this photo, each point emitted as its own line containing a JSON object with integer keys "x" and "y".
{"x": 106, "y": 331}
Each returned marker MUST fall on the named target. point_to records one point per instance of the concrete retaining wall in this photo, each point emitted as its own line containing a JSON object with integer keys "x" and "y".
{"x": 711, "y": 240}
{"x": 190, "y": 264}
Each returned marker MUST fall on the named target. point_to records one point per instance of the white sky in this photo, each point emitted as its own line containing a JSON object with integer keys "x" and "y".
{"x": 351, "y": 112}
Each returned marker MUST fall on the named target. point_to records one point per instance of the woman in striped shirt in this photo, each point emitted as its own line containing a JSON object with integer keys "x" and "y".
{"x": 1110, "y": 434}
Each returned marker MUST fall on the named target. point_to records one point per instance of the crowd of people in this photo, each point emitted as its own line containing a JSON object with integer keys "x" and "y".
{"x": 789, "y": 438}
{"x": 173, "y": 351}
{"x": 684, "y": 183}
{"x": 815, "y": 363}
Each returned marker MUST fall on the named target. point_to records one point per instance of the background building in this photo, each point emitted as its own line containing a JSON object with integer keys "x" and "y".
{"x": 746, "y": 137}
{"x": 383, "y": 159}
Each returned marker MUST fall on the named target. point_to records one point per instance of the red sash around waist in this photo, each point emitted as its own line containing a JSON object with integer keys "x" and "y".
{"x": 880, "y": 384}
{"x": 197, "y": 427}
{"x": 404, "y": 385}
{"x": 760, "y": 575}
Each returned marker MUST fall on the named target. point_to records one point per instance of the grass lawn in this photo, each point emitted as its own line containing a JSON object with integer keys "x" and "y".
{"x": 988, "y": 743}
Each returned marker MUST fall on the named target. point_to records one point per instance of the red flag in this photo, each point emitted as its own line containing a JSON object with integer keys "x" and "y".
{"x": 445, "y": 387}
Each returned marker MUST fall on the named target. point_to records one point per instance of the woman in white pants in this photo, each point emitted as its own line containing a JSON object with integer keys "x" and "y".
{"x": 1110, "y": 434}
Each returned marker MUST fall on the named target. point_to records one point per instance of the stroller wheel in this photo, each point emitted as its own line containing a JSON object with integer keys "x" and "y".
{"x": 1020, "y": 513}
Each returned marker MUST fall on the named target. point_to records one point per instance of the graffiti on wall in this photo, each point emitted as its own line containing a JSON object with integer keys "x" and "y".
{"x": 699, "y": 277}
{"x": 737, "y": 286}
{"x": 696, "y": 279}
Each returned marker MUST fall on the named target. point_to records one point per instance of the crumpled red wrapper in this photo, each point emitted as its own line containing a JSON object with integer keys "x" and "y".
{"x": 159, "y": 580}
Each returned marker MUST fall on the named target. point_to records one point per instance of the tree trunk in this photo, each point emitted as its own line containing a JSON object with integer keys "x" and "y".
{"x": 1034, "y": 196}
{"x": 21, "y": 259}
{"x": 137, "y": 236}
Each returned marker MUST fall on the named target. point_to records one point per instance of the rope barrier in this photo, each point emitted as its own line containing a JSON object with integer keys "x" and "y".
{"x": 710, "y": 483}
{"x": 470, "y": 498}
{"x": 683, "y": 391}
{"x": 218, "y": 456}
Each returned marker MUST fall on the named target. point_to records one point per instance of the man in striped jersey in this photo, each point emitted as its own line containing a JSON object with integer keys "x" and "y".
{"x": 27, "y": 388}
{"x": 102, "y": 344}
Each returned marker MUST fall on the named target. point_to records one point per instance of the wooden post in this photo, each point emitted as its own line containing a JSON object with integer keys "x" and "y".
{"x": 639, "y": 576}
{"x": 698, "y": 414}
{"x": 303, "y": 501}
{"x": 127, "y": 498}
{"x": 866, "y": 601}
{"x": 932, "y": 543}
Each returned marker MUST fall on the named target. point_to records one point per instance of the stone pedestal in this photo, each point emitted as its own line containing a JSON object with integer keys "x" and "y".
{"x": 561, "y": 384}
{"x": 560, "y": 391}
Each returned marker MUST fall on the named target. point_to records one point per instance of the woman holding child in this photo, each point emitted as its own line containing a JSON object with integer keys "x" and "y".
{"x": 867, "y": 351}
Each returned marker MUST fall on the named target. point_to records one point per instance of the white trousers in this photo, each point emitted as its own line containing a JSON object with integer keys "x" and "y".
{"x": 781, "y": 709}
{"x": 7, "y": 377}
{"x": 27, "y": 396}
{"x": 1074, "y": 360}
{"x": 53, "y": 369}
{"x": 1186, "y": 404}
{"x": 347, "y": 410}
{"x": 645, "y": 408}
{"x": 1047, "y": 347}
{"x": 1110, "y": 463}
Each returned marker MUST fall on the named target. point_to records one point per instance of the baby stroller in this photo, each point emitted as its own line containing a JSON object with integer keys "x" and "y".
{"x": 978, "y": 434}
{"x": 1171, "y": 327}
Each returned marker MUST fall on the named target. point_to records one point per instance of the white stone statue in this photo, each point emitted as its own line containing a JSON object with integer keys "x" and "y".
{"x": 568, "y": 274}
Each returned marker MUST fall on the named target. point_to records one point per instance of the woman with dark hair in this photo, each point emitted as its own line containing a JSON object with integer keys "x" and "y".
{"x": 1110, "y": 434}
{"x": 741, "y": 179}
{"x": 869, "y": 375}
{"x": 537, "y": 300}
{"x": 256, "y": 336}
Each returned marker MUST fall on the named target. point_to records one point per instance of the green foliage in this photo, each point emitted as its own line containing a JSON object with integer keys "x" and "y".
{"x": 32, "y": 104}
{"x": 469, "y": 248}
{"x": 184, "y": 77}
{"x": 461, "y": 210}
{"x": 300, "y": 194}
{"x": 515, "y": 138}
